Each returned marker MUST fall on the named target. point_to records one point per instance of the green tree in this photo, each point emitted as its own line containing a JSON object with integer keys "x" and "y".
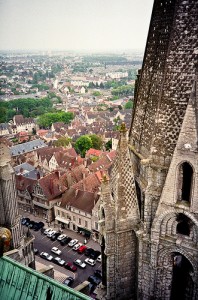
{"x": 96, "y": 141}
{"x": 129, "y": 105}
{"x": 83, "y": 144}
{"x": 62, "y": 141}
{"x": 108, "y": 145}
{"x": 96, "y": 93}
{"x": 47, "y": 119}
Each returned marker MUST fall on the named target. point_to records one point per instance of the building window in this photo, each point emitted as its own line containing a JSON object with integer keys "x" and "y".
{"x": 184, "y": 224}
{"x": 74, "y": 219}
{"x": 96, "y": 225}
{"x": 185, "y": 182}
{"x": 79, "y": 221}
{"x": 58, "y": 212}
{"x": 86, "y": 224}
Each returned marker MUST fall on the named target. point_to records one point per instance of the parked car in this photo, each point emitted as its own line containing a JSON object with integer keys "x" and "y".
{"x": 70, "y": 266}
{"x": 36, "y": 252}
{"x": 61, "y": 237}
{"x": 27, "y": 223}
{"x": 68, "y": 281}
{"x": 56, "y": 251}
{"x": 98, "y": 273}
{"x": 31, "y": 224}
{"x": 38, "y": 226}
{"x": 65, "y": 241}
{"x": 82, "y": 249}
{"x": 47, "y": 256}
{"x": 24, "y": 220}
{"x": 99, "y": 258}
{"x": 59, "y": 261}
{"x": 90, "y": 261}
{"x": 51, "y": 233}
{"x": 95, "y": 254}
{"x": 77, "y": 246}
{"x": 94, "y": 279}
{"x": 88, "y": 251}
{"x": 79, "y": 263}
{"x": 55, "y": 236}
{"x": 48, "y": 230}
{"x": 73, "y": 242}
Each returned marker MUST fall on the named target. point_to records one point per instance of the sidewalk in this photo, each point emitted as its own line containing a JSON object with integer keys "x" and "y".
{"x": 74, "y": 235}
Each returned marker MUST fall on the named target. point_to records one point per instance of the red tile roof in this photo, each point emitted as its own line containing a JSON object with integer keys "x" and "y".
{"x": 51, "y": 185}
{"x": 81, "y": 200}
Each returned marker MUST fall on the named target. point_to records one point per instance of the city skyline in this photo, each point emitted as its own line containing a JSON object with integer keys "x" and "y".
{"x": 72, "y": 25}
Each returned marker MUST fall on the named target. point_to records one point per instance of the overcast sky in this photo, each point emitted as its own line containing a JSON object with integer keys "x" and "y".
{"x": 74, "y": 24}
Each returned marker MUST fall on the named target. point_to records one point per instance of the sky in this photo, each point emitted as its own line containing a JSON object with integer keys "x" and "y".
{"x": 74, "y": 24}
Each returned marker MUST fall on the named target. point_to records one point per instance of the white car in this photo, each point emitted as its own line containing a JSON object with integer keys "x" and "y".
{"x": 46, "y": 256}
{"x": 73, "y": 242}
{"x": 51, "y": 233}
{"x": 59, "y": 261}
{"x": 77, "y": 246}
{"x": 79, "y": 263}
{"x": 90, "y": 261}
{"x": 61, "y": 237}
{"x": 99, "y": 258}
{"x": 56, "y": 251}
{"x": 48, "y": 230}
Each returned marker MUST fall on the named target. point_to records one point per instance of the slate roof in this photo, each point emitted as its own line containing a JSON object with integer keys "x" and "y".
{"x": 26, "y": 147}
{"x": 21, "y": 282}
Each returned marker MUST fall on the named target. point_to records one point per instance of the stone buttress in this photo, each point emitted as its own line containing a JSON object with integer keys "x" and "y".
{"x": 119, "y": 218}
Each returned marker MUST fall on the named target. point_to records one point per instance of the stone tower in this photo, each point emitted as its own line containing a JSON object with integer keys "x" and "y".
{"x": 9, "y": 214}
{"x": 163, "y": 149}
{"x": 119, "y": 218}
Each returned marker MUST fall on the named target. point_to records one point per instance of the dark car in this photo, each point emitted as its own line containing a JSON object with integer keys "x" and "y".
{"x": 95, "y": 254}
{"x": 98, "y": 273}
{"x": 70, "y": 266}
{"x": 41, "y": 225}
{"x": 36, "y": 252}
{"x": 24, "y": 220}
{"x": 68, "y": 281}
{"x": 27, "y": 223}
{"x": 65, "y": 241}
{"x": 55, "y": 235}
{"x": 94, "y": 280}
{"x": 31, "y": 224}
{"x": 88, "y": 251}
{"x": 36, "y": 226}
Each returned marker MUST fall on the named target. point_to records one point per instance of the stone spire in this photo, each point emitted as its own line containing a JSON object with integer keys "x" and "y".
{"x": 122, "y": 181}
{"x": 9, "y": 215}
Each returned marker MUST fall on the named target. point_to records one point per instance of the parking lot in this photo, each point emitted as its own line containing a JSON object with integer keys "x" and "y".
{"x": 45, "y": 244}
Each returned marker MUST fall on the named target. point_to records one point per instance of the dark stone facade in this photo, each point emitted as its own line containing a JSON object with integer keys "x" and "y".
{"x": 163, "y": 155}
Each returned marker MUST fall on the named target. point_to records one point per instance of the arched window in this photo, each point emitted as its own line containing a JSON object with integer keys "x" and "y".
{"x": 183, "y": 225}
{"x": 185, "y": 182}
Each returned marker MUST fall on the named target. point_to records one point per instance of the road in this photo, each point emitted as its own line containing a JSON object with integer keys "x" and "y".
{"x": 43, "y": 243}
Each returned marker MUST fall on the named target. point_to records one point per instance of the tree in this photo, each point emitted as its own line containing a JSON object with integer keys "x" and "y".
{"x": 108, "y": 145}
{"x": 96, "y": 93}
{"x": 83, "y": 144}
{"x": 96, "y": 141}
{"x": 129, "y": 105}
{"x": 62, "y": 141}
{"x": 47, "y": 119}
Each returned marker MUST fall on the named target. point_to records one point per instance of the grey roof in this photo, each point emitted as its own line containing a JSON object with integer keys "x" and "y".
{"x": 3, "y": 126}
{"x": 25, "y": 166}
{"x": 28, "y": 171}
{"x": 27, "y": 147}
